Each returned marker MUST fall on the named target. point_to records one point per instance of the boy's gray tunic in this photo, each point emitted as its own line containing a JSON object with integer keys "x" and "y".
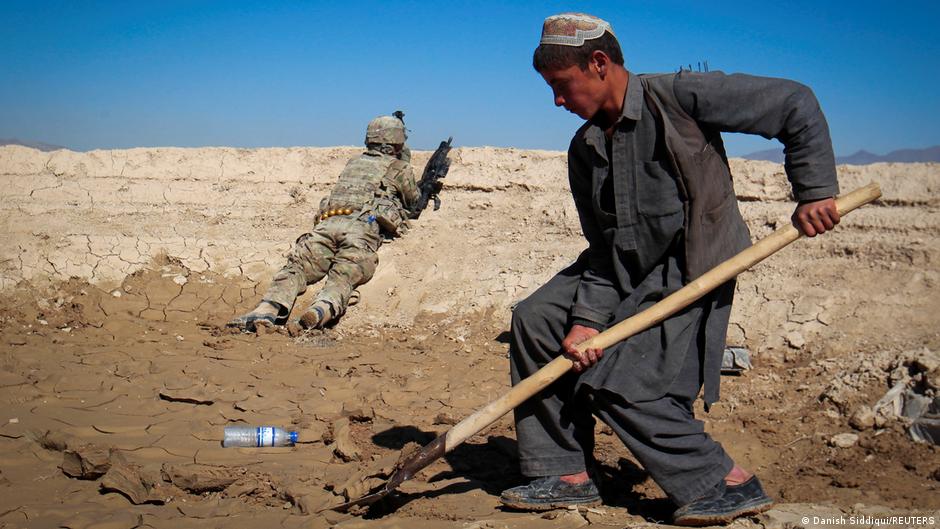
{"x": 639, "y": 251}
{"x": 658, "y": 209}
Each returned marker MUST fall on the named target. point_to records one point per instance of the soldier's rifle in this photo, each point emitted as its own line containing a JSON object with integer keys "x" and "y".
{"x": 430, "y": 184}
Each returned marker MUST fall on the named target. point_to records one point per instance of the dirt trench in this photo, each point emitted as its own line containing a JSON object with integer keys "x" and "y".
{"x": 117, "y": 374}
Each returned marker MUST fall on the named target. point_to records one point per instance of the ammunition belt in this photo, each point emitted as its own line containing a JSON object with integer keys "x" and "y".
{"x": 338, "y": 211}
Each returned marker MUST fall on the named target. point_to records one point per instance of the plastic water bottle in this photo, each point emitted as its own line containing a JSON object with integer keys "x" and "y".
{"x": 257, "y": 436}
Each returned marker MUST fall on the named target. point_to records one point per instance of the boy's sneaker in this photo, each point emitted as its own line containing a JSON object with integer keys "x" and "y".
{"x": 542, "y": 494}
{"x": 724, "y": 503}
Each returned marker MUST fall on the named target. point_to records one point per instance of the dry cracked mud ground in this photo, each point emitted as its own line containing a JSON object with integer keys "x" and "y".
{"x": 118, "y": 270}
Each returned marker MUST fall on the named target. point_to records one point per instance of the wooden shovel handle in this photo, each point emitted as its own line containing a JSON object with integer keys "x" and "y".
{"x": 643, "y": 320}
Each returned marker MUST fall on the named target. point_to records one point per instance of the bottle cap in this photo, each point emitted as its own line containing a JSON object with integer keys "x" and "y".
{"x": 293, "y": 437}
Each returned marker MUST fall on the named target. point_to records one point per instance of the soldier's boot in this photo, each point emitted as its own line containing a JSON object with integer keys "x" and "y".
{"x": 267, "y": 314}
{"x": 316, "y": 317}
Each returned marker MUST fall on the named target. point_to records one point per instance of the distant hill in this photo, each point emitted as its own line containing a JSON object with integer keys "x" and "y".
{"x": 34, "y": 144}
{"x": 930, "y": 154}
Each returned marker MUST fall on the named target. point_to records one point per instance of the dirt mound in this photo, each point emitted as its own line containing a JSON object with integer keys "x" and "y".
{"x": 507, "y": 225}
{"x": 116, "y": 377}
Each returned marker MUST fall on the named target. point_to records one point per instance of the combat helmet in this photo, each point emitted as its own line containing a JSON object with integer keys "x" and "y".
{"x": 386, "y": 129}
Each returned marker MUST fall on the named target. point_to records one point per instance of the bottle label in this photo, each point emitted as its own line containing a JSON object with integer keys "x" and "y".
{"x": 265, "y": 436}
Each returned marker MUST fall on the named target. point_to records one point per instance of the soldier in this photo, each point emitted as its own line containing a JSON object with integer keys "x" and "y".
{"x": 653, "y": 190}
{"x": 373, "y": 196}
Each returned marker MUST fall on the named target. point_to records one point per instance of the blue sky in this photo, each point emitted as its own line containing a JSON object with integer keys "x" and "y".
{"x": 88, "y": 75}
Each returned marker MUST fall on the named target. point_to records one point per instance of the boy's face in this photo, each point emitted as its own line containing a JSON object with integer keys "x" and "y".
{"x": 579, "y": 91}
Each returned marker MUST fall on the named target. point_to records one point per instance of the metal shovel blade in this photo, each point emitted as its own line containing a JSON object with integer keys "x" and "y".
{"x": 403, "y": 472}
{"x": 364, "y": 501}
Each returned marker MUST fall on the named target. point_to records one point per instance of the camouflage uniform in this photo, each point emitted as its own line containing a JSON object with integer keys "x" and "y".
{"x": 373, "y": 196}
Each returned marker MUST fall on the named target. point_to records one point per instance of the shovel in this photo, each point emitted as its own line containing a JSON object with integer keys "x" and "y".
{"x": 668, "y": 306}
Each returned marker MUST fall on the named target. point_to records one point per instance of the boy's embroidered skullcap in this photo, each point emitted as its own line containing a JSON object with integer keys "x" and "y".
{"x": 572, "y": 29}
